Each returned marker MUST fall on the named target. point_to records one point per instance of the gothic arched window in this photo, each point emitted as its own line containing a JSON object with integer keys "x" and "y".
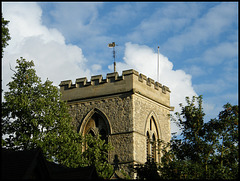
{"x": 103, "y": 135}
{"x": 151, "y": 140}
{"x": 148, "y": 147}
{"x": 154, "y": 154}
{"x": 91, "y": 133}
{"x": 96, "y": 123}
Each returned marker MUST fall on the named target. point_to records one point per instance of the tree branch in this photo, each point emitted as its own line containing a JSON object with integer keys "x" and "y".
{"x": 11, "y": 68}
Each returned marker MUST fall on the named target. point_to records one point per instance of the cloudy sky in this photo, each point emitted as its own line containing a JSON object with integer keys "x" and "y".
{"x": 198, "y": 44}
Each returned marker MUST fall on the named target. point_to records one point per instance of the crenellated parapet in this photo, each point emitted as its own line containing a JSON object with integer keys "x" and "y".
{"x": 129, "y": 81}
{"x": 124, "y": 109}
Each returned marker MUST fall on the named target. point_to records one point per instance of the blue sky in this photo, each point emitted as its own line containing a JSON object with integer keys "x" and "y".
{"x": 198, "y": 44}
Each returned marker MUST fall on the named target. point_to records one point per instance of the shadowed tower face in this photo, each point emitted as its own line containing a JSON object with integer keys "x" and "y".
{"x": 130, "y": 111}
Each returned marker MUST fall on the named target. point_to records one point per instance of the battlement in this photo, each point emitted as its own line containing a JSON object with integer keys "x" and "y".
{"x": 130, "y": 80}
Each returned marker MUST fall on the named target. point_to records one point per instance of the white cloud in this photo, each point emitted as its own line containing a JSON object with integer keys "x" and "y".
{"x": 195, "y": 70}
{"x": 144, "y": 60}
{"x": 205, "y": 28}
{"x": 53, "y": 58}
{"x": 213, "y": 105}
{"x": 76, "y": 20}
{"x": 60, "y": 61}
{"x": 222, "y": 51}
{"x": 218, "y": 86}
{"x": 165, "y": 19}
{"x": 121, "y": 13}
{"x": 96, "y": 67}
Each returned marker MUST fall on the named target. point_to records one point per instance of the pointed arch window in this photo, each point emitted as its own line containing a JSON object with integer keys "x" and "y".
{"x": 148, "y": 147}
{"x": 103, "y": 135}
{"x": 95, "y": 124}
{"x": 91, "y": 133}
{"x": 151, "y": 140}
{"x": 154, "y": 150}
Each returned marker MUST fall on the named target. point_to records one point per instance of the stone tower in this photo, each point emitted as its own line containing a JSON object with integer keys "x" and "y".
{"x": 130, "y": 111}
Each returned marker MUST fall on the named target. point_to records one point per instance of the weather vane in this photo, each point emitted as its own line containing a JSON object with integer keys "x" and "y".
{"x": 112, "y": 45}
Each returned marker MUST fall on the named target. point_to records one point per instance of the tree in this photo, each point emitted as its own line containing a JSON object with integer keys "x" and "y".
{"x": 33, "y": 115}
{"x": 5, "y": 34}
{"x": 97, "y": 154}
{"x": 147, "y": 171}
{"x": 224, "y": 137}
{"x": 206, "y": 150}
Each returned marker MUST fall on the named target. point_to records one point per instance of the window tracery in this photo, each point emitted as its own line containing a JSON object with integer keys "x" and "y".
{"x": 96, "y": 126}
{"x": 151, "y": 140}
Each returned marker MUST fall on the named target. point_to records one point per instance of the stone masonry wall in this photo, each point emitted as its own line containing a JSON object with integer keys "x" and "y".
{"x": 118, "y": 110}
{"x": 143, "y": 109}
{"x": 127, "y": 102}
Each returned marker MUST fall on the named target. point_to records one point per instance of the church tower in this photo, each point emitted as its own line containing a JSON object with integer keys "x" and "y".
{"x": 129, "y": 111}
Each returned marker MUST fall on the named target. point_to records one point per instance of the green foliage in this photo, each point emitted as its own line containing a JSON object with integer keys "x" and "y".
{"x": 96, "y": 154}
{"x": 5, "y": 34}
{"x": 204, "y": 150}
{"x": 224, "y": 137}
{"x": 147, "y": 171}
{"x": 33, "y": 115}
